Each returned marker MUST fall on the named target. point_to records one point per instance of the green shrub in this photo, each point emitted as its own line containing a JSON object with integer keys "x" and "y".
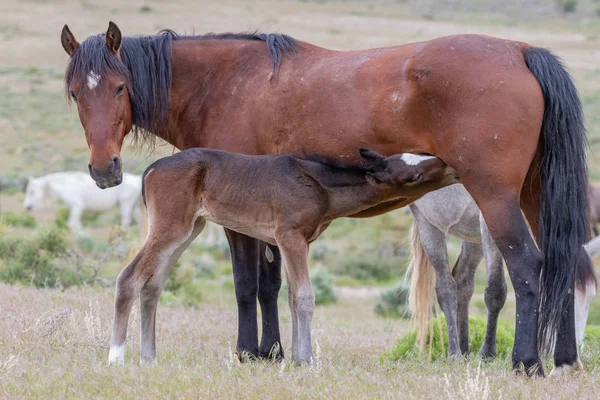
{"x": 181, "y": 289}
{"x": 368, "y": 268}
{"x": 407, "y": 348}
{"x": 36, "y": 260}
{"x": 567, "y": 6}
{"x": 18, "y": 220}
{"x": 393, "y": 302}
{"x": 322, "y": 284}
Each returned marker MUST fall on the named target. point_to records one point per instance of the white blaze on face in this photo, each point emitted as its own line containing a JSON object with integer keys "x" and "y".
{"x": 414, "y": 159}
{"x": 93, "y": 79}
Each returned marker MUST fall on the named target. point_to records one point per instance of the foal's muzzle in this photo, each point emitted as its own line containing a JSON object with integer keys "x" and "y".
{"x": 111, "y": 175}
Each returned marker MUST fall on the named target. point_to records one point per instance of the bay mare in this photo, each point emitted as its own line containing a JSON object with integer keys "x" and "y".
{"x": 79, "y": 193}
{"x": 505, "y": 115}
{"x": 282, "y": 200}
{"x": 452, "y": 211}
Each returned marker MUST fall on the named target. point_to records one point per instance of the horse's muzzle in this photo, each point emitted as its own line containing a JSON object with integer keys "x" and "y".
{"x": 111, "y": 176}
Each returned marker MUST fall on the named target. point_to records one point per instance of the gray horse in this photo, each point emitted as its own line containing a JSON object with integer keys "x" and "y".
{"x": 452, "y": 211}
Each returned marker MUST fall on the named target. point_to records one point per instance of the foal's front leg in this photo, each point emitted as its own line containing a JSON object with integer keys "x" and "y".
{"x": 294, "y": 249}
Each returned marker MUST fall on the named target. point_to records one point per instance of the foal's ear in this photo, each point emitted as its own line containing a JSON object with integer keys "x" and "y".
{"x": 69, "y": 43}
{"x": 377, "y": 178}
{"x": 370, "y": 155}
{"x": 113, "y": 38}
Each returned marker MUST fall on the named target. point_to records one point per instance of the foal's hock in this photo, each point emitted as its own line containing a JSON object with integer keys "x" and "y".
{"x": 283, "y": 200}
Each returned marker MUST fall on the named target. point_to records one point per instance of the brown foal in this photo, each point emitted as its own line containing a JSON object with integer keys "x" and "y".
{"x": 282, "y": 200}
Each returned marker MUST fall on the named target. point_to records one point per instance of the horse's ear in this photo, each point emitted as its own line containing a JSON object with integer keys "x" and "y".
{"x": 113, "y": 37}
{"x": 370, "y": 155}
{"x": 69, "y": 43}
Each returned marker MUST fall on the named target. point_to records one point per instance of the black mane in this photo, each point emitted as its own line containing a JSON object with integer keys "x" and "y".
{"x": 146, "y": 70}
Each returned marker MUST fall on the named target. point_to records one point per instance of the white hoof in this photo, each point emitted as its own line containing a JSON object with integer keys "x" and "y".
{"x": 567, "y": 369}
{"x": 116, "y": 355}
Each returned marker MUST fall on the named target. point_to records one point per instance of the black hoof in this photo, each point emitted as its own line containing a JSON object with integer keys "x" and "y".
{"x": 529, "y": 368}
{"x": 275, "y": 353}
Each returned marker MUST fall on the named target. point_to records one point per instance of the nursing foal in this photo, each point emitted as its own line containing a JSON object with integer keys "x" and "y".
{"x": 282, "y": 200}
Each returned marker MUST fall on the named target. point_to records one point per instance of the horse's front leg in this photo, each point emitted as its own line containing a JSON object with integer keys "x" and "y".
{"x": 74, "y": 221}
{"x": 245, "y": 256}
{"x": 269, "y": 284}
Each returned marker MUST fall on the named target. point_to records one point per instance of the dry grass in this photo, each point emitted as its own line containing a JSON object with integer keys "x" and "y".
{"x": 55, "y": 344}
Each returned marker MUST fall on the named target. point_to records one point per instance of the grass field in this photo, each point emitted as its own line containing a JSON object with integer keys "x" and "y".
{"x": 54, "y": 342}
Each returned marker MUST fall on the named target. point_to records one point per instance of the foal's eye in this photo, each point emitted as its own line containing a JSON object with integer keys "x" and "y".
{"x": 120, "y": 89}
{"x": 73, "y": 96}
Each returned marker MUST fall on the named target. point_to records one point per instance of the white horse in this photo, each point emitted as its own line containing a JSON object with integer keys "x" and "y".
{"x": 79, "y": 192}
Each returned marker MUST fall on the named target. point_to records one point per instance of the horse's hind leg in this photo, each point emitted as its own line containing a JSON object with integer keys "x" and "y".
{"x": 495, "y": 291}
{"x": 565, "y": 347}
{"x": 502, "y": 213}
{"x": 269, "y": 284}
{"x": 152, "y": 289}
{"x": 151, "y": 263}
{"x": 434, "y": 244}
{"x": 464, "y": 274}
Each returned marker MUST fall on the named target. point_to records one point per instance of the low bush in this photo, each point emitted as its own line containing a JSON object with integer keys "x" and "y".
{"x": 393, "y": 302}
{"x": 407, "y": 348}
{"x": 18, "y": 220}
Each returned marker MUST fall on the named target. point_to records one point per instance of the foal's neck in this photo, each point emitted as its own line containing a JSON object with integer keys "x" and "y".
{"x": 347, "y": 189}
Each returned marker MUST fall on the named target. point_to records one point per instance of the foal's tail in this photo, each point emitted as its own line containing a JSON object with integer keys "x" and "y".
{"x": 564, "y": 221}
{"x": 422, "y": 286}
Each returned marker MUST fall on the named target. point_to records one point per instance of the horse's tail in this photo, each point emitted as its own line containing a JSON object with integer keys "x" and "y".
{"x": 422, "y": 286}
{"x": 564, "y": 222}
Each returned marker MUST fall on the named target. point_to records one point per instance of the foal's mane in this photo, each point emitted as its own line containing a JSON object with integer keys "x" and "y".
{"x": 319, "y": 158}
{"x": 146, "y": 70}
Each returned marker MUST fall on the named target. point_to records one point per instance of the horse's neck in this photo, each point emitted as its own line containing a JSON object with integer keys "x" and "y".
{"x": 202, "y": 71}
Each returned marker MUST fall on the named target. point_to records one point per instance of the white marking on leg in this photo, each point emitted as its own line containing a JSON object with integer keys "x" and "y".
{"x": 414, "y": 159}
{"x": 567, "y": 369}
{"x": 93, "y": 79}
{"x": 116, "y": 355}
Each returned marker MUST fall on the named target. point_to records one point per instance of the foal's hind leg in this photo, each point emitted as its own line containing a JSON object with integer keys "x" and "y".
{"x": 151, "y": 291}
{"x": 154, "y": 259}
{"x": 495, "y": 291}
{"x": 434, "y": 243}
{"x": 464, "y": 274}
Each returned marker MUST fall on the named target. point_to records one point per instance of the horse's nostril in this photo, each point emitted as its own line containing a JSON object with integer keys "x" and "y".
{"x": 116, "y": 163}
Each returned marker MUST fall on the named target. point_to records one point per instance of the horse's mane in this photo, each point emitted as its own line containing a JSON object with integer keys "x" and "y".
{"x": 146, "y": 70}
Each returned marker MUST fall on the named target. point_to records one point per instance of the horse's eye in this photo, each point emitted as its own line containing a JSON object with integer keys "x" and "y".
{"x": 73, "y": 97}
{"x": 120, "y": 89}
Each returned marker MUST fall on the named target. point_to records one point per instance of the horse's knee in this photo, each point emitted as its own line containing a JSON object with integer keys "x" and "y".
{"x": 305, "y": 302}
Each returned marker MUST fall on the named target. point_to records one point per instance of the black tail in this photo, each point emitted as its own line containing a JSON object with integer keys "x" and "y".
{"x": 564, "y": 214}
